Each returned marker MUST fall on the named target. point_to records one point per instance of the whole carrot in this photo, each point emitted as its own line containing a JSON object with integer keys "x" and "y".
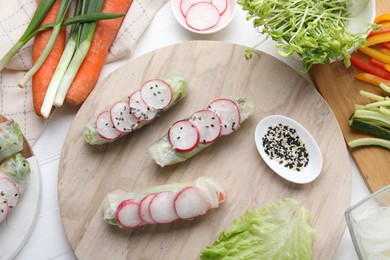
{"x": 92, "y": 65}
{"x": 41, "y": 79}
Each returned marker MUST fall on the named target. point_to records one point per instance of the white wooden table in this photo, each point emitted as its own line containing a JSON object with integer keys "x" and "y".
{"x": 48, "y": 240}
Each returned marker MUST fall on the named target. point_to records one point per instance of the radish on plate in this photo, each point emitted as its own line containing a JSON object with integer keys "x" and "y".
{"x": 171, "y": 148}
{"x": 162, "y": 204}
{"x": 136, "y": 110}
{"x": 202, "y": 16}
{"x": 186, "y": 4}
{"x": 4, "y": 209}
{"x": 9, "y": 191}
{"x": 221, "y": 5}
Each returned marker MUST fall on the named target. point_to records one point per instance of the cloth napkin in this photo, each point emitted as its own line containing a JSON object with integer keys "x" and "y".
{"x": 16, "y": 102}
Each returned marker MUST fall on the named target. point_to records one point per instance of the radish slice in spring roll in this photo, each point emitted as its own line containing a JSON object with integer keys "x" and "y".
{"x": 164, "y": 203}
{"x": 225, "y": 117}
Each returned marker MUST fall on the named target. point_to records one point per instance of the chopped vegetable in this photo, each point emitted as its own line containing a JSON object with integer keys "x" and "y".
{"x": 376, "y": 54}
{"x": 369, "y": 68}
{"x": 11, "y": 139}
{"x": 371, "y": 79}
{"x": 202, "y": 16}
{"x": 317, "y": 31}
{"x": 231, "y": 113}
{"x": 164, "y": 203}
{"x": 369, "y": 141}
{"x": 89, "y": 71}
{"x": 382, "y": 18}
{"x": 110, "y": 124}
{"x": 277, "y": 231}
{"x": 379, "y": 38}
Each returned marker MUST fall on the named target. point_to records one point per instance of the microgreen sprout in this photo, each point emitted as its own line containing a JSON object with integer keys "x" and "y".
{"x": 315, "y": 30}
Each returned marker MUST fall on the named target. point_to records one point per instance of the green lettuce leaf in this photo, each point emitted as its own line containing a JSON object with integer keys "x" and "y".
{"x": 277, "y": 231}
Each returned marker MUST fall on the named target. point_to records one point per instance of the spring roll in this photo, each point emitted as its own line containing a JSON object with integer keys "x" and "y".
{"x": 11, "y": 139}
{"x": 163, "y": 204}
{"x": 132, "y": 112}
{"x": 188, "y": 137}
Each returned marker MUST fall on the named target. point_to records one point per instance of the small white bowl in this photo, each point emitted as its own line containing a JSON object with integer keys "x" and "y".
{"x": 224, "y": 20}
{"x": 314, "y": 166}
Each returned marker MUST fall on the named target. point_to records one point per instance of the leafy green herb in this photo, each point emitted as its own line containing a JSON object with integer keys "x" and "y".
{"x": 315, "y": 30}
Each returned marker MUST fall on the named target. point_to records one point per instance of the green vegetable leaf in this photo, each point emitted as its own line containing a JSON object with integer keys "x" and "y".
{"x": 278, "y": 231}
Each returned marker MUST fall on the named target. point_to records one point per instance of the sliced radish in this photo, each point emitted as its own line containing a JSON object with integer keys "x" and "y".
{"x": 144, "y": 209}
{"x": 9, "y": 191}
{"x": 229, "y": 113}
{"x": 105, "y": 127}
{"x": 122, "y": 118}
{"x": 127, "y": 214}
{"x": 190, "y": 202}
{"x": 156, "y": 93}
{"x": 186, "y": 4}
{"x": 208, "y": 124}
{"x": 139, "y": 108}
{"x": 4, "y": 209}
{"x": 183, "y": 136}
{"x": 162, "y": 207}
{"x": 202, "y": 16}
{"x": 221, "y": 5}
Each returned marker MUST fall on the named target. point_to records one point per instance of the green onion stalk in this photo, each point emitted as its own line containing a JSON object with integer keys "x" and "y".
{"x": 40, "y": 13}
{"x": 84, "y": 42}
{"x": 64, "y": 7}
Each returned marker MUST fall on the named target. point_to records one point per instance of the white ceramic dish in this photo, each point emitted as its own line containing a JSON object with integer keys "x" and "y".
{"x": 361, "y": 10}
{"x": 15, "y": 231}
{"x": 225, "y": 18}
{"x": 314, "y": 167}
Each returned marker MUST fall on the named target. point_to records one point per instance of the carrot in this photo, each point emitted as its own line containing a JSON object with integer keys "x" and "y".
{"x": 41, "y": 79}
{"x": 90, "y": 69}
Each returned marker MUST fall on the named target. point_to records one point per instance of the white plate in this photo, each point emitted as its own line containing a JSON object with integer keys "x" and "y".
{"x": 225, "y": 18}
{"x": 15, "y": 231}
{"x": 314, "y": 167}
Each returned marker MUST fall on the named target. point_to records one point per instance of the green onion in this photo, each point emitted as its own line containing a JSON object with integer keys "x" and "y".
{"x": 315, "y": 30}
{"x": 40, "y": 13}
{"x": 64, "y": 6}
{"x": 75, "y": 51}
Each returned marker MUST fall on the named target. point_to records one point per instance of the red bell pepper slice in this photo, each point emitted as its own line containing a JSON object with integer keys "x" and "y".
{"x": 369, "y": 68}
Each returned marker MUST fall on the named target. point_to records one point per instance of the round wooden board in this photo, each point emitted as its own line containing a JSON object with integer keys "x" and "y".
{"x": 213, "y": 69}
{"x": 16, "y": 230}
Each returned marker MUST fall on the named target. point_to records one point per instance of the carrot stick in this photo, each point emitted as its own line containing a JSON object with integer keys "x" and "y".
{"x": 41, "y": 79}
{"x": 90, "y": 69}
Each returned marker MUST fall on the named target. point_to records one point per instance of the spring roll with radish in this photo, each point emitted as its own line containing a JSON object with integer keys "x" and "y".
{"x": 141, "y": 107}
{"x": 187, "y": 137}
{"x": 163, "y": 204}
{"x": 14, "y": 172}
{"x": 11, "y": 139}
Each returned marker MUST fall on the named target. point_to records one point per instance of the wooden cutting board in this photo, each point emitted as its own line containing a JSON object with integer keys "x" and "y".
{"x": 341, "y": 90}
{"x": 213, "y": 69}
